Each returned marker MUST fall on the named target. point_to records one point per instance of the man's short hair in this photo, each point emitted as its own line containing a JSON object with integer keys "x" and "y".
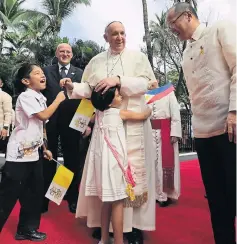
{"x": 183, "y": 7}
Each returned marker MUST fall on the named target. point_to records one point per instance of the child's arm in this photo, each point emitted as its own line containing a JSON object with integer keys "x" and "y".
{"x": 87, "y": 132}
{"x": 153, "y": 85}
{"x": 48, "y": 112}
{"x": 130, "y": 115}
{"x": 89, "y": 127}
{"x": 47, "y": 154}
{"x": 92, "y": 120}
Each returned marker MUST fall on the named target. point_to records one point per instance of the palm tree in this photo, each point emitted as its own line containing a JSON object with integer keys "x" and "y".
{"x": 158, "y": 38}
{"x": 34, "y": 29}
{"x": 165, "y": 45}
{"x": 33, "y": 36}
{"x": 27, "y": 36}
{"x": 11, "y": 13}
{"x": 84, "y": 51}
{"x": 58, "y": 10}
{"x": 147, "y": 32}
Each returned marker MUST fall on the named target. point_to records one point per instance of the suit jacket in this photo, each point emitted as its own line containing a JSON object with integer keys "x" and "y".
{"x": 53, "y": 88}
{"x": 53, "y": 77}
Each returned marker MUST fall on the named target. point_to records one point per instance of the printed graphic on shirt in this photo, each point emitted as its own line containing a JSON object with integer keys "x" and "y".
{"x": 28, "y": 148}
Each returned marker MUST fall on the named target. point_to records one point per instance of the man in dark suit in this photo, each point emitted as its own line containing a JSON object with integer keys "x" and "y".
{"x": 58, "y": 125}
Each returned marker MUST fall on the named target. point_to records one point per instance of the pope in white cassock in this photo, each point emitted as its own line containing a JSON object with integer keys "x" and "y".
{"x": 166, "y": 128}
{"x": 131, "y": 71}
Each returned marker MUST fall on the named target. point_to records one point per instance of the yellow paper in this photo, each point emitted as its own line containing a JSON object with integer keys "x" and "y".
{"x": 85, "y": 108}
{"x": 63, "y": 177}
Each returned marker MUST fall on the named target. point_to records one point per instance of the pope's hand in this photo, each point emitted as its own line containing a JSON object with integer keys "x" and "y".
{"x": 230, "y": 126}
{"x": 67, "y": 83}
{"x": 107, "y": 83}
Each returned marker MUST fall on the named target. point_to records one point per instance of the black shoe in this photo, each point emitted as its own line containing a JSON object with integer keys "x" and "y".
{"x": 97, "y": 234}
{"x": 32, "y": 235}
{"x": 165, "y": 203}
{"x": 134, "y": 237}
{"x": 72, "y": 207}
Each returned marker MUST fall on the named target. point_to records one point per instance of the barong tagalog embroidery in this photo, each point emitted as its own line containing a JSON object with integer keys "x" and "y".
{"x": 82, "y": 116}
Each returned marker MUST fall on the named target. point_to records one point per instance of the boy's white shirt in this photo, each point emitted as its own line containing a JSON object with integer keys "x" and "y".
{"x": 27, "y": 135}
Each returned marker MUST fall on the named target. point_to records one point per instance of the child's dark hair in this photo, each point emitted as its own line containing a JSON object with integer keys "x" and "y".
{"x": 23, "y": 72}
{"x": 102, "y": 101}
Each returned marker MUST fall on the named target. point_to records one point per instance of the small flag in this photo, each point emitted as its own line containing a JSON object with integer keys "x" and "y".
{"x": 158, "y": 93}
{"x": 82, "y": 116}
{"x": 61, "y": 182}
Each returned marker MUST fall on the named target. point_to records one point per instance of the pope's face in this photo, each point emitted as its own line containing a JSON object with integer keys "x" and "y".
{"x": 116, "y": 36}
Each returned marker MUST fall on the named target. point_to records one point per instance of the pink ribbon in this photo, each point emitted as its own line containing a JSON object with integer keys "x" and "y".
{"x": 128, "y": 173}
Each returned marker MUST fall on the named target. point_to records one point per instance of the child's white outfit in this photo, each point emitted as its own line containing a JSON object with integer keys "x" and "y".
{"x": 27, "y": 136}
{"x": 105, "y": 178}
{"x": 23, "y": 171}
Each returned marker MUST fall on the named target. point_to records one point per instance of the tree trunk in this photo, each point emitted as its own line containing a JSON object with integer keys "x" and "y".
{"x": 4, "y": 28}
{"x": 165, "y": 66}
{"x": 181, "y": 83}
{"x": 147, "y": 33}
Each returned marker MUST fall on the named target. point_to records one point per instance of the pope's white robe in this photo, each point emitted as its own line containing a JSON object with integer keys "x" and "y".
{"x": 135, "y": 75}
{"x": 165, "y": 108}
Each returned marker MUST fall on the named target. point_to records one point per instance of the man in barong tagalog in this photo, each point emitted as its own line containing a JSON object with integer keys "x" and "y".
{"x": 131, "y": 71}
{"x": 209, "y": 66}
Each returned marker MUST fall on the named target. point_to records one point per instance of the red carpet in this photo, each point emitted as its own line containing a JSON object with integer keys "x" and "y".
{"x": 187, "y": 222}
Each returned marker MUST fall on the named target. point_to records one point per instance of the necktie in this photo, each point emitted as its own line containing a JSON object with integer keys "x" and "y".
{"x": 63, "y": 72}
{"x": 64, "y": 75}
